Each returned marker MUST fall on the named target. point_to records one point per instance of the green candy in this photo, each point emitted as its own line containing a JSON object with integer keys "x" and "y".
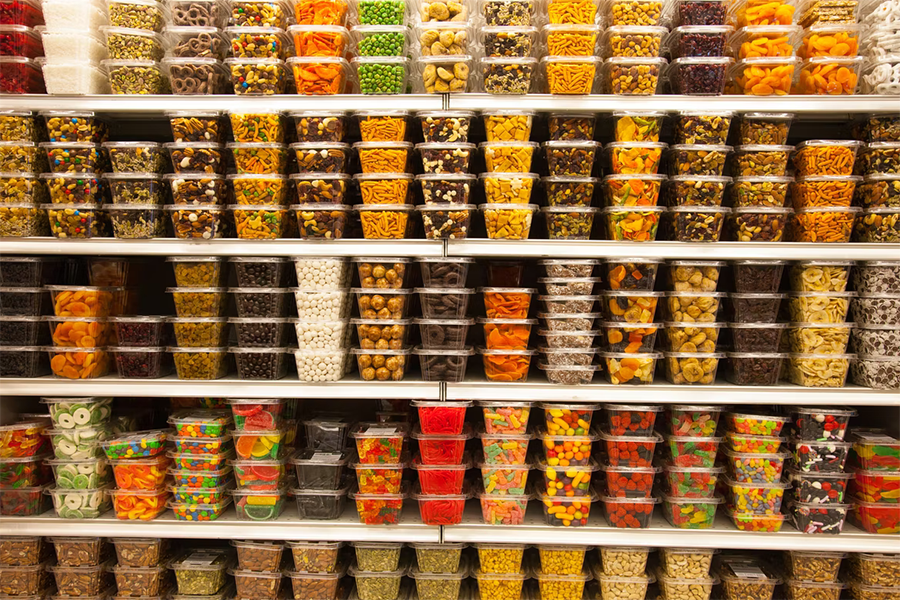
{"x": 78, "y": 413}
{"x": 82, "y": 504}
{"x": 81, "y": 475}
{"x": 77, "y": 444}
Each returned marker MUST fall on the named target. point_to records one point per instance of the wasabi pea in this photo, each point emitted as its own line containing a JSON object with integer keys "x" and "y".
{"x": 78, "y": 413}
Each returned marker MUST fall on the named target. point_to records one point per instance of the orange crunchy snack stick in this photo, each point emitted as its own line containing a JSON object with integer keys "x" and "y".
{"x": 571, "y": 42}
{"x": 318, "y": 79}
{"x": 79, "y": 364}
{"x": 83, "y": 303}
{"x": 825, "y": 192}
{"x": 384, "y": 224}
{"x": 507, "y": 336}
{"x": 827, "y": 78}
{"x": 839, "y": 43}
{"x": 506, "y": 367}
{"x": 320, "y": 43}
{"x": 382, "y": 129}
{"x": 320, "y": 12}
{"x": 572, "y": 12}
{"x": 765, "y": 80}
{"x": 507, "y": 305}
{"x": 825, "y": 159}
{"x": 384, "y": 191}
{"x": 383, "y": 160}
{"x": 570, "y": 77}
{"x": 765, "y": 44}
{"x": 764, "y": 12}
{"x": 823, "y": 225}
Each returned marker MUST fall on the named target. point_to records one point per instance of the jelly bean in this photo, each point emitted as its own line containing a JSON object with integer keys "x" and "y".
{"x": 753, "y": 444}
{"x": 755, "y": 468}
{"x": 693, "y": 421}
{"x": 755, "y": 424}
{"x": 756, "y": 498}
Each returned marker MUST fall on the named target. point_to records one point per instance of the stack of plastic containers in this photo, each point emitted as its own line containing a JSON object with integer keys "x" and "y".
{"x": 829, "y": 48}
{"x": 823, "y": 191}
{"x": 622, "y": 570}
{"x": 509, "y": 40}
{"x": 696, "y": 185}
{"x": 446, "y": 181}
{"x": 196, "y": 47}
{"x": 82, "y": 563}
{"x": 258, "y": 45}
{"x": 565, "y": 496}
{"x": 321, "y": 486}
{"x": 136, "y": 189}
{"x": 876, "y": 458}
{"x": 500, "y": 572}
{"x": 630, "y": 307}
{"x": 78, "y": 311}
{"x": 876, "y": 320}
{"x": 140, "y": 568}
{"x": 379, "y": 570}
{"x": 74, "y": 47}
{"x": 19, "y": 72}
{"x": 699, "y": 48}
{"x": 444, "y": 299}
{"x": 23, "y": 470}
{"x": 440, "y": 570}
{"x": 200, "y": 487}
{"x": 81, "y": 471}
{"x": 382, "y": 328}
{"x": 441, "y": 464}
{"x": 75, "y": 162}
{"x": 684, "y": 571}
{"x": 24, "y": 567}
{"x": 627, "y": 497}
{"x": 139, "y": 462}
{"x": 385, "y": 179}
{"x": 756, "y": 337}
{"x": 260, "y": 438}
{"x": 560, "y": 570}
{"x": 379, "y": 447}
{"x": 872, "y": 573}
{"x": 321, "y": 39}
{"x": 507, "y": 328}
{"x": 261, "y": 298}
{"x": 764, "y": 46}
{"x": 444, "y": 48}
{"x": 818, "y": 334}
{"x": 809, "y": 573}
{"x": 508, "y": 185}
{"x": 258, "y": 573}
{"x": 570, "y": 154}
{"x": 134, "y": 65}
{"x": 200, "y": 325}
{"x": 317, "y": 569}
{"x": 504, "y": 464}
{"x": 322, "y": 211}
{"x": 569, "y": 324}
{"x": 817, "y": 471}
{"x": 880, "y": 24}
{"x": 571, "y": 37}
{"x": 381, "y": 44}
{"x": 202, "y": 572}
{"x": 21, "y": 214}
{"x": 754, "y": 462}
{"x": 879, "y": 164}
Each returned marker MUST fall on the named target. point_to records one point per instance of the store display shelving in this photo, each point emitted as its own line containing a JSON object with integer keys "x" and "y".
{"x": 287, "y": 527}
{"x": 660, "y": 534}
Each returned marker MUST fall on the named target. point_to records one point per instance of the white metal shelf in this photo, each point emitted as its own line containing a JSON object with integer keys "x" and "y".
{"x": 228, "y": 387}
{"x": 661, "y": 534}
{"x": 287, "y": 527}
{"x": 670, "y": 250}
{"x": 477, "y": 388}
{"x": 803, "y": 105}
{"x": 221, "y": 247}
{"x": 123, "y": 104}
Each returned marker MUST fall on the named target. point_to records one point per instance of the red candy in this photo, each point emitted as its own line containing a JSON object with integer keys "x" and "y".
{"x": 440, "y": 479}
{"x": 624, "y": 482}
{"x": 441, "y": 417}
{"x": 441, "y": 449}
{"x": 22, "y": 439}
{"x": 441, "y": 510}
{"x": 877, "y": 517}
{"x": 631, "y": 420}
{"x": 628, "y": 513}
{"x": 876, "y": 486}
{"x": 630, "y": 451}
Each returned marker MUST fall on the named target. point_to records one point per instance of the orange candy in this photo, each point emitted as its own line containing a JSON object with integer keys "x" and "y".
{"x": 142, "y": 506}
{"x": 827, "y": 78}
{"x": 320, "y": 12}
{"x": 507, "y": 305}
{"x": 79, "y": 364}
{"x": 765, "y": 80}
{"x": 83, "y": 303}
{"x": 506, "y": 336}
